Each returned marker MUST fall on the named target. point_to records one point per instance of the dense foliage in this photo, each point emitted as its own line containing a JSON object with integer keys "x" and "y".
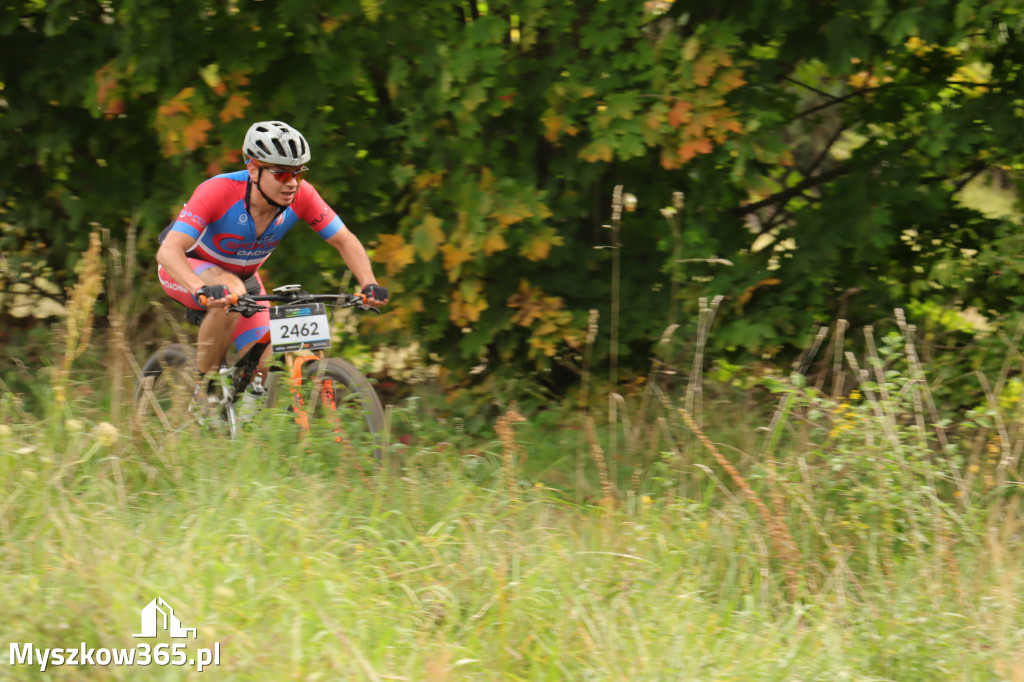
{"x": 475, "y": 146}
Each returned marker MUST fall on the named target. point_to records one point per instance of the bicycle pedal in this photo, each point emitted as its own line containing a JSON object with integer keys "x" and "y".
{"x": 204, "y": 412}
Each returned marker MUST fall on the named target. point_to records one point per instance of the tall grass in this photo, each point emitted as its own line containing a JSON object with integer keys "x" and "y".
{"x": 304, "y": 571}
{"x": 847, "y": 536}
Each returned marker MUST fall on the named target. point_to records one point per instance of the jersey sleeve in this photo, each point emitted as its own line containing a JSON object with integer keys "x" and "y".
{"x": 311, "y": 207}
{"x": 198, "y": 212}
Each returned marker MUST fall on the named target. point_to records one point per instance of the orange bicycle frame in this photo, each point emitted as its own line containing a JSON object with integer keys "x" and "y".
{"x": 327, "y": 394}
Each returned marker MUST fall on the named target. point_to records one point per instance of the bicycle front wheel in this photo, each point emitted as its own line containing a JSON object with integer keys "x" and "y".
{"x": 334, "y": 405}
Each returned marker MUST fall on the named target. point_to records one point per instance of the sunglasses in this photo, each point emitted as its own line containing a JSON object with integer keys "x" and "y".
{"x": 282, "y": 175}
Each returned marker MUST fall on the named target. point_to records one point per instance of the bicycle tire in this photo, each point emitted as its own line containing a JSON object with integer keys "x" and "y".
{"x": 357, "y": 415}
{"x": 163, "y": 394}
{"x": 164, "y": 390}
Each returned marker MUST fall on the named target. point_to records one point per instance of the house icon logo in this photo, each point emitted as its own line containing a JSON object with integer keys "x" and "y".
{"x": 151, "y": 620}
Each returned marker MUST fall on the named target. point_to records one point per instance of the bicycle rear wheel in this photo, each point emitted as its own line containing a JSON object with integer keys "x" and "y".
{"x": 164, "y": 391}
{"x": 334, "y": 406}
{"x": 164, "y": 396}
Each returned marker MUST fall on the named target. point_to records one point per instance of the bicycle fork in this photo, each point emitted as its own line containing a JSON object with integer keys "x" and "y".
{"x": 327, "y": 396}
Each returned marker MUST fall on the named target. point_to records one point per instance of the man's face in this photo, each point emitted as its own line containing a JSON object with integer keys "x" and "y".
{"x": 280, "y": 183}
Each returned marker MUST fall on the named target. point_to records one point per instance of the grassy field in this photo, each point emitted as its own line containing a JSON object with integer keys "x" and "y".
{"x": 836, "y": 548}
{"x": 677, "y": 535}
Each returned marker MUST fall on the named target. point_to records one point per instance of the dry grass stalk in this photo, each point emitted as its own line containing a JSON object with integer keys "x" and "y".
{"x": 877, "y": 365}
{"x": 775, "y": 491}
{"x": 695, "y": 386}
{"x": 642, "y": 422}
{"x": 674, "y": 217}
{"x": 120, "y": 287}
{"x": 834, "y": 342}
{"x": 917, "y": 373}
{"x": 1006, "y": 458}
{"x": 809, "y": 351}
{"x": 946, "y": 544}
{"x": 800, "y": 366}
{"x": 588, "y": 351}
{"x": 607, "y": 489}
{"x": 838, "y": 376}
{"x": 511, "y": 452}
{"x": 616, "y": 228}
{"x": 391, "y": 463}
{"x": 1010, "y": 361}
{"x": 80, "y": 308}
{"x": 886, "y": 423}
{"x": 785, "y": 545}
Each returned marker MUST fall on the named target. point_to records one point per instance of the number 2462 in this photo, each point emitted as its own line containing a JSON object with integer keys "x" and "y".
{"x": 301, "y": 331}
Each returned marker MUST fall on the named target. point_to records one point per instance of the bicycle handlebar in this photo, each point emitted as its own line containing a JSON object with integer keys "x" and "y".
{"x": 249, "y": 304}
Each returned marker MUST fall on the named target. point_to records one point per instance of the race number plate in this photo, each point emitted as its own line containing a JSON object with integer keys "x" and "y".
{"x": 294, "y": 327}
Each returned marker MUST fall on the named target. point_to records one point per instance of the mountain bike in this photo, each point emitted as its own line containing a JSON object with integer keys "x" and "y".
{"x": 327, "y": 398}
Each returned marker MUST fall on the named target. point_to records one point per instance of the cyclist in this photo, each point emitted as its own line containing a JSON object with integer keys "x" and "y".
{"x": 230, "y": 226}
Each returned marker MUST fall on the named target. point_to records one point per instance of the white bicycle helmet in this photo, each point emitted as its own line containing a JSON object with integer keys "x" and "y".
{"x": 276, "y": 142}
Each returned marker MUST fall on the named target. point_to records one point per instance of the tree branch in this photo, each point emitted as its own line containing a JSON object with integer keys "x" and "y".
{"x": 972, "y": 171}
{"x": 780, "y": 198}
{"x": 843, "y": 127}
{"x": 791, "y": 192}
{"x": 837, "y": 100}
{"x": 833, "y": 100}
{"x": 824, "y": 94}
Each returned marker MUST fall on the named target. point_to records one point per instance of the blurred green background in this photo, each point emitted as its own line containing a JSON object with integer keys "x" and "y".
{"x": 806, "y": 162}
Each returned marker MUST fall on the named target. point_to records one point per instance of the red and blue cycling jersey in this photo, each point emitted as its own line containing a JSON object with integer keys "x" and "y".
{"x": 217, "y": 218}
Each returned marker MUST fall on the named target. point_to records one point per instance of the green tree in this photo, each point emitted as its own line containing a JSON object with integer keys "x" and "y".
{"x": 475, "y": 146}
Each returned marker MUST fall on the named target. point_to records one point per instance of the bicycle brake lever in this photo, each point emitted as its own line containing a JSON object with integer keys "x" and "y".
{"x": 245, "y": 309}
